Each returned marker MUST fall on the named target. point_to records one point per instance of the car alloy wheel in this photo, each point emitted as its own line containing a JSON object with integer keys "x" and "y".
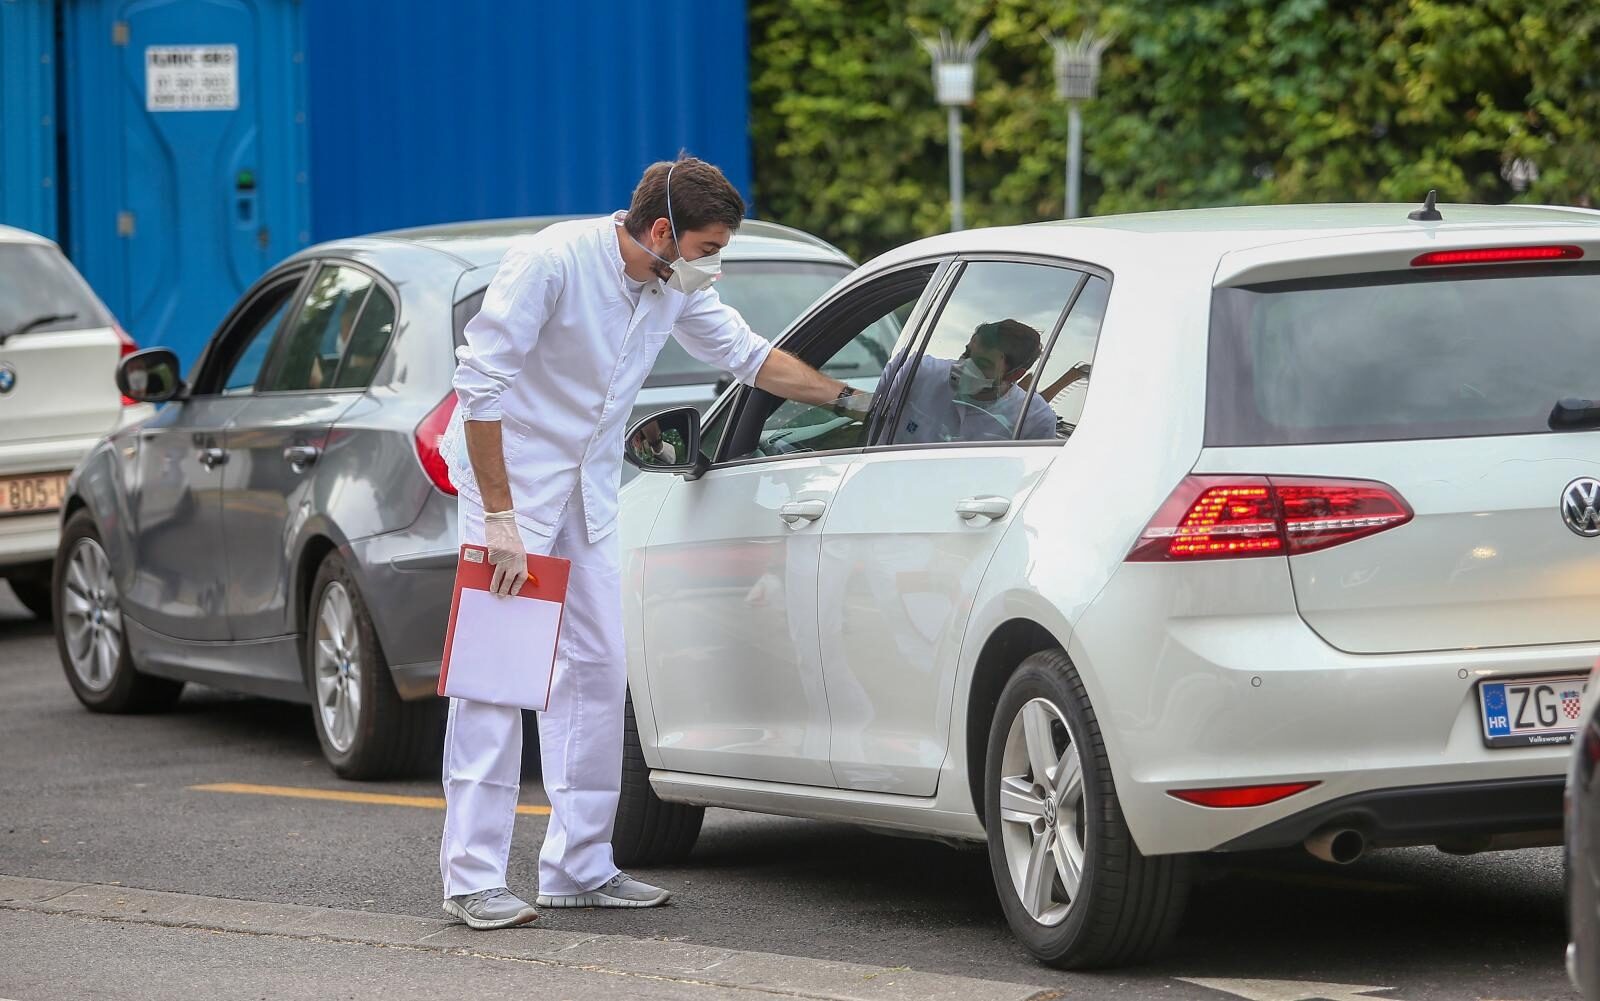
{"x": 337, "y": 667}
{"x": 1042, "y": 816}
{"x": 91, "y": 616}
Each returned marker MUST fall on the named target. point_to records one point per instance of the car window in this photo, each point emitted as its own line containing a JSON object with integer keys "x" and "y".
{"x": 1062, "y": 380}
{"x": 249, "y": 337}
{"x": 41, "y": 291}
{"x": 464, "y": 311}
{"x": 1417, "y": 354}
{"x": 373, "y": 328}
{"x": 855, "y": 339}
{"x": 990, "y": 332}
{"x": 307, "y": 353}
{"x": 770, "y": 295}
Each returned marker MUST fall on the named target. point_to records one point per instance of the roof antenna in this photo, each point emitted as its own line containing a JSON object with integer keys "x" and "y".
{"x": 1427, "y": 213}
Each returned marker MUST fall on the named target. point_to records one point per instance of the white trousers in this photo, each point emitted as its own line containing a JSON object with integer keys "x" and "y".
{"x": 580, "y": 735}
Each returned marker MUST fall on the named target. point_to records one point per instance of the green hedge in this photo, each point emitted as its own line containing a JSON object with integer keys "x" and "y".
{"x": 1201, "y": 103}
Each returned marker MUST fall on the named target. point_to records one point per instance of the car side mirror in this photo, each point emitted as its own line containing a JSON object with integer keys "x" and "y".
{"x": 150, "y": 376}
{"x": 668, "y": 442}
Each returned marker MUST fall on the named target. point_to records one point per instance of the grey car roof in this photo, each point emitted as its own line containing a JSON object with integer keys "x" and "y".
{"x": 484, "y": 241}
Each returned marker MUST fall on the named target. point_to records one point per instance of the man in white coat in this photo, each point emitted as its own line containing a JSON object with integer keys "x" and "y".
{"x": 569, "y": 328}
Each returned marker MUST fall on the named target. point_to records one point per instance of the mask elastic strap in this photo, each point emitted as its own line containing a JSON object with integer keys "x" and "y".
{"x": 670, "y": 220}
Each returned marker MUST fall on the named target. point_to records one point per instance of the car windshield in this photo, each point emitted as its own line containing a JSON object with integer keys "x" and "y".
{"x": 1464, "y": 353}
{"x": 769, "y": 294}
{"x": 36, "y": 282}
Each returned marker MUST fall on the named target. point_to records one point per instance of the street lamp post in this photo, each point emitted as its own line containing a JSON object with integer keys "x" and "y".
{"x": 954, "y": 66}
{"x": 1077, "y": 66}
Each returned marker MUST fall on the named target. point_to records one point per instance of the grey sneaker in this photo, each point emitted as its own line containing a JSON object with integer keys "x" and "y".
{"x": 490, "y": 909}
{"x": 621, "y": 890}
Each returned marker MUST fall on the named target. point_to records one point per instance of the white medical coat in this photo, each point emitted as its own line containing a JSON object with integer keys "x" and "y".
{"x": 557, "y": 354}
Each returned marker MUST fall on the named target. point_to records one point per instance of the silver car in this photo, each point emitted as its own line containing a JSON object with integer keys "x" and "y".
{"x": 283, "y": 525}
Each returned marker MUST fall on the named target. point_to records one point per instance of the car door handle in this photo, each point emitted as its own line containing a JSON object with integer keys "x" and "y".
{"x": 301, "y": 456}
{"x": 992, "y": 508}
{"x": 797, "y": 512}
{"x": 213, "y": 457}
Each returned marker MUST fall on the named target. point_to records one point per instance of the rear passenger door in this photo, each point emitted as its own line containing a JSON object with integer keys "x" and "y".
{"x": 320, "y": 363}
{"x": 918, "y": 517}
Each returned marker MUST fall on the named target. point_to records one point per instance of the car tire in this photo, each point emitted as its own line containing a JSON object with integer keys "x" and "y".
{"x": 366, "y": 730}
{"x": 34, "y": 593}
{"x": 1127, "y": 905}
{"x": 649, "y": 830}
{"x": 90, "y": 635}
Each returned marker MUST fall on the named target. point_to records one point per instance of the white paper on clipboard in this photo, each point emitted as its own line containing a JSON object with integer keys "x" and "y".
{"x": 502, "y": 648}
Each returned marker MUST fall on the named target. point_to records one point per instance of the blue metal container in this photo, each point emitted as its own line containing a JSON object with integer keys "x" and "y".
{"x": 186, "y": 138}
{"x": 425, "y": 112}
{"x": 27, "y": 115}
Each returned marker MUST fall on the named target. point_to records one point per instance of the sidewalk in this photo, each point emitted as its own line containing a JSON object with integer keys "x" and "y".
{"x": 66, "y": 940}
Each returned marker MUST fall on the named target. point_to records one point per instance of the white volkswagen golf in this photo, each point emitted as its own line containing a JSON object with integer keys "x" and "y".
{"x": 1204, "y": 531}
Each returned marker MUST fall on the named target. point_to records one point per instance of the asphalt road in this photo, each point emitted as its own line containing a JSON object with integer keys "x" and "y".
{"x": 105, "y": 799}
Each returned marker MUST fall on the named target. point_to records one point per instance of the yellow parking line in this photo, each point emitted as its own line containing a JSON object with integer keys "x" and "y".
{"x": 341, "y": 796}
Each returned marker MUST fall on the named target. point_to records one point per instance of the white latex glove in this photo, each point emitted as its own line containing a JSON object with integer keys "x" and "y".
{"x": 510, "y": 559}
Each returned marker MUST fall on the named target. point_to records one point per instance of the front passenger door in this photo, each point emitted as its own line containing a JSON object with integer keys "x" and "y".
{"x": 179, "y": 577}
{"x": 729, "y": 589}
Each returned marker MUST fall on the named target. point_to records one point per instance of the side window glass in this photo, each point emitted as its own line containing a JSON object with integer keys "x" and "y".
{"x": 991, "y": 331}
{"x": 711, "y": 434}
{"x": 1064, "y": 382}
{"x": 857, "y": 347}
{"x": 251, "y": 336}
{"x": 307, "y": 354}
{"x": 368, "y": 340}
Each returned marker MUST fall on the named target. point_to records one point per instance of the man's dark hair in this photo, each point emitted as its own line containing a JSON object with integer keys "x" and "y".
{"x": 701, "y": 197}
{"x": 1018, "y": 342}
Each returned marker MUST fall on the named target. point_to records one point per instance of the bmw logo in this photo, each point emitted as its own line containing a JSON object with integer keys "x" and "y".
{"x": 8, "y": 378}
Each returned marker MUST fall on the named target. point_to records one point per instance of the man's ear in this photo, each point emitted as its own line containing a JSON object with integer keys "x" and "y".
{"x": 661, "y": 229}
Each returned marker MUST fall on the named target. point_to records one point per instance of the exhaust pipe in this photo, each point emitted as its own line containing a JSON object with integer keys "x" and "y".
{"x": 1340, "y": 847}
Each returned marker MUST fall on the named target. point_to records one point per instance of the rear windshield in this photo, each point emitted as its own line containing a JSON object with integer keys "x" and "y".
{"x": 770, "y": 295}
{"x": 1465, "y": 353}
{"x": 37, "y": 282}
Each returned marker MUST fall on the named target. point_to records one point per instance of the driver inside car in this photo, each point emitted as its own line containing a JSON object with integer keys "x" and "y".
{"x": 976, "y": 397}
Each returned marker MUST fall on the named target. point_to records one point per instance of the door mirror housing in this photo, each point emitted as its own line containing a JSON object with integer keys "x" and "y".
{"x": 668, "y": 442}
{"x": 151, "y": 376}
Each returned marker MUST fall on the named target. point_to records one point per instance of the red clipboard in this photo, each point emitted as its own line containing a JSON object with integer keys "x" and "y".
{"x": 506, "y": 641}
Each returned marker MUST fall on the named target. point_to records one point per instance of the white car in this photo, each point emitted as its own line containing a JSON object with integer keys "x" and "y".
{"x": 59, "y": 348}
{"x": 1319, "y": 565}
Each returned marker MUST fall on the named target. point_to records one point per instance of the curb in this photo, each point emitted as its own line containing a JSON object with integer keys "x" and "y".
{"x": 684, "y": 962}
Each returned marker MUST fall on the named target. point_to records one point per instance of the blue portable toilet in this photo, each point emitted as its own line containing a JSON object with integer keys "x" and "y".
{"x": 186, "y": 164}
{"x": 27, "y": 115}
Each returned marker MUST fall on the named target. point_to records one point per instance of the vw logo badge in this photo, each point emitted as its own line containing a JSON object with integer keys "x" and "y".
{"x": 8, "y": 378}
{"x": 1578, "y": 506}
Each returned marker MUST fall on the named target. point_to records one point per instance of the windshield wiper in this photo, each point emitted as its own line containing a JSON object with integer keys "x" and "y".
{"x": 1571, "y": 412}
{"x": 36, "y": 323}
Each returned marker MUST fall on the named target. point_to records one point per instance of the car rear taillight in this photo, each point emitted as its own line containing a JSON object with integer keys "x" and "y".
{"x": 1497, "y": 255}
{"x": 1226, "y": 517}
{"x": 129, "y": 346}
{"x": 1233, "y": 797}
{"x": 427, "y": 437}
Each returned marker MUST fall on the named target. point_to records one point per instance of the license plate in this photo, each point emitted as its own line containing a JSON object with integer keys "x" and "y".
{"x": 1523, "y": 712}
{"x": 32, "y": 494}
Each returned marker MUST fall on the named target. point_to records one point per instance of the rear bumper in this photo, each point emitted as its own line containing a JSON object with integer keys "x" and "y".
{"x": 1453, "y": 814}
{"x": 1207, "y": 677}
{"x": 29, "y": 538}
{"x": 407, "y": 578}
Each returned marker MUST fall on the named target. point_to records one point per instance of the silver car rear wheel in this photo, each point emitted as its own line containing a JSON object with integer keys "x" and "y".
{"x": 91, "y": 616}
{"x": 1042, "y": 816}
{"x": 337, "y": 667}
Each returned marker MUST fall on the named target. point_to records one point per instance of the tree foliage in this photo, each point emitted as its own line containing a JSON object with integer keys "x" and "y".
{"x": 1202, "y": 102}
